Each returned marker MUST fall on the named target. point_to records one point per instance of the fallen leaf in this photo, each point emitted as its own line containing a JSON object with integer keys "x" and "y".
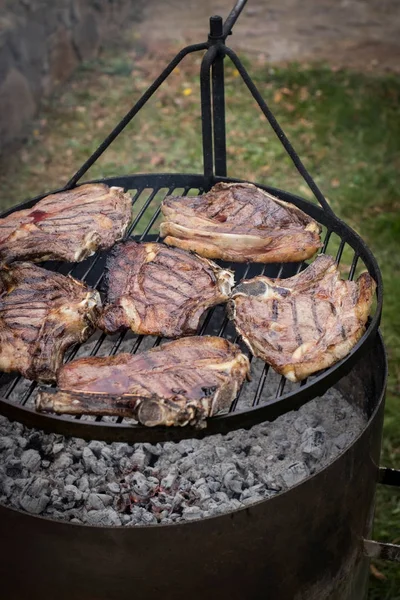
{"x": 287, "y": 91}
{"x": 304, "y": 94}
{"x": 335, "y": 183}
{"x": 376, "y": 573}
{"x": 157, "y": 159}
{"x": 289, "y": 107}
{"x": 235, "y": 73}
{"x": 277, "y": 97}
{"x": 187, "y": 91}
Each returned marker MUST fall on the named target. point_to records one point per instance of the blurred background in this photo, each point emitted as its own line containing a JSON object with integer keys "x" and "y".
{"x": 329, "y": 69}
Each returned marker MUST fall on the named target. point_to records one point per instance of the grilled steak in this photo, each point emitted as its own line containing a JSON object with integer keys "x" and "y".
{"x": 41, "y": 315}
{"x": 239, "y": 222}
{"x": 304, "y": 323}
{"x": 157, "y": 290}
{"x": 69, "y": 225}
{"x": 181, "y": 382}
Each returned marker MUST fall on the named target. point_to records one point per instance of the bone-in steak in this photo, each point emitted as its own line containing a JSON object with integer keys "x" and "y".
{"x": 181, "y": 382}
{"x": 68, "y": 226}
{"x": 41, "y": 314}
{"x": 157, "y": 290}
{"x": 304, "y": 323}
{"x": 239, "y": 222}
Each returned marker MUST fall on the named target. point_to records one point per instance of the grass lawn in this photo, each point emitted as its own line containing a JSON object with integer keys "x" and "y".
{"x": 345, "y": 126}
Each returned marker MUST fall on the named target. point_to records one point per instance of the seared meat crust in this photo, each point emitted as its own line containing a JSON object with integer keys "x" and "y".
{"x": 239, "y": 222}
{"x": 181, "y": 382}
{"x": 304, "y": 323}
{"x": 70, "y": 225}
{"x": 41, "y": 315}
{"x": 157, "y": 290}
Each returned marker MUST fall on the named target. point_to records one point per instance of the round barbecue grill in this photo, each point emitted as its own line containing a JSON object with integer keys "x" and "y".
{"x": 17, "y": 395}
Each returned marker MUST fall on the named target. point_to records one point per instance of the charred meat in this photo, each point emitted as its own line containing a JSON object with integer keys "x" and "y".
{"x": 157, "y": 290}
{"x": 70, "y": 225}
{"x": 304, "y": 323}
{"x": 179, "y": 383}
{"x": 41, "y": 314}
{"x": 239, "y": 222}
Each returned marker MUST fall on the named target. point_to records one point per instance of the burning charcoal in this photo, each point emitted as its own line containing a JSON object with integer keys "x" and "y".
{"x": 140, "y": 459}
{"x": 96, "y": 447}
{"x": 343, "y": 440}
{"x": 6, "y": 442}
{"x": 72, "y": 494}
{"x": 7, "y": 485}
{"x": 139, "y": 484}
{"x": 233, "y": 481}
{"x": 63, "y": 461}
{"x": 142, "y": 486}
{"x": 113, "y": 487}
{"x": 98, "y": 501}
{"x": 31, "y": 459}
{"x": 107, "y": 517}
{"x": 192, "y": 513}
{"x": 84, "y": 483}
{"x": 70, "y": 479}
{"x": 59, "y": 447}
{"x": 314, "y": 442}
{"x": 221, "y": 452}
{"x": 34, "y": 498}
{"x": 168, "y": 481}
{"x": 295, "y": 473}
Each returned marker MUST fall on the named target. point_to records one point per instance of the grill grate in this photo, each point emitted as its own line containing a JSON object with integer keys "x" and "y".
{"x": 266, "y": 396}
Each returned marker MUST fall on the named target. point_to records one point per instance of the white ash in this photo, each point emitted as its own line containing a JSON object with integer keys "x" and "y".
{"x": 144, "y": 484}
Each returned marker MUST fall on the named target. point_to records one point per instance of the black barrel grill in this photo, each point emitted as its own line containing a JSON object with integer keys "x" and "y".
{"x": 305, "y": 544}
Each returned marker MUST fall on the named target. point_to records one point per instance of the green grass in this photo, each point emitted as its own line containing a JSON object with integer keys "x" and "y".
{"x": 345, "y": 126}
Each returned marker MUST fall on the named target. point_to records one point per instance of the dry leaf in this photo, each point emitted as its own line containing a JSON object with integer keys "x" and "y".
{"x": 376, "y": 573}
{"x": 335, "y": 183}
{"x": 157, "y": 159}
{"x": 304, "y": 94}
{"x": 286, "y": 91}
{"x": 277, "y": 97}
{"x": 289, "y": 107}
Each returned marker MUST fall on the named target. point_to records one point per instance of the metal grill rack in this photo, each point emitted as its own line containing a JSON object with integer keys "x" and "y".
{"x": 267, "y": 395}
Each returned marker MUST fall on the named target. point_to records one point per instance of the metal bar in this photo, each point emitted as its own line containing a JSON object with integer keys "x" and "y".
{"x": 389, "y": 476}
{"x": 353, "y": 266}
{"x": 134, "y": 110}
{"x": 326, "y": 241}
{"x": 218, "y": 98}
{"x": 233, "y": 17}
{"x": 383, "y": 551}
{"x": 279, "y": 131}
{"x": 206, "y": 113}
{"x": 340, "y": 252}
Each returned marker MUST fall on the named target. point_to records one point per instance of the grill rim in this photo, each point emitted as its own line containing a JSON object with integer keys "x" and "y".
{"x": 245, "y": 418}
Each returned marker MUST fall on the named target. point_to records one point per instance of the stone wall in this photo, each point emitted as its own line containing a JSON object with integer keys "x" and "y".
{"x": 42, "y": 42}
